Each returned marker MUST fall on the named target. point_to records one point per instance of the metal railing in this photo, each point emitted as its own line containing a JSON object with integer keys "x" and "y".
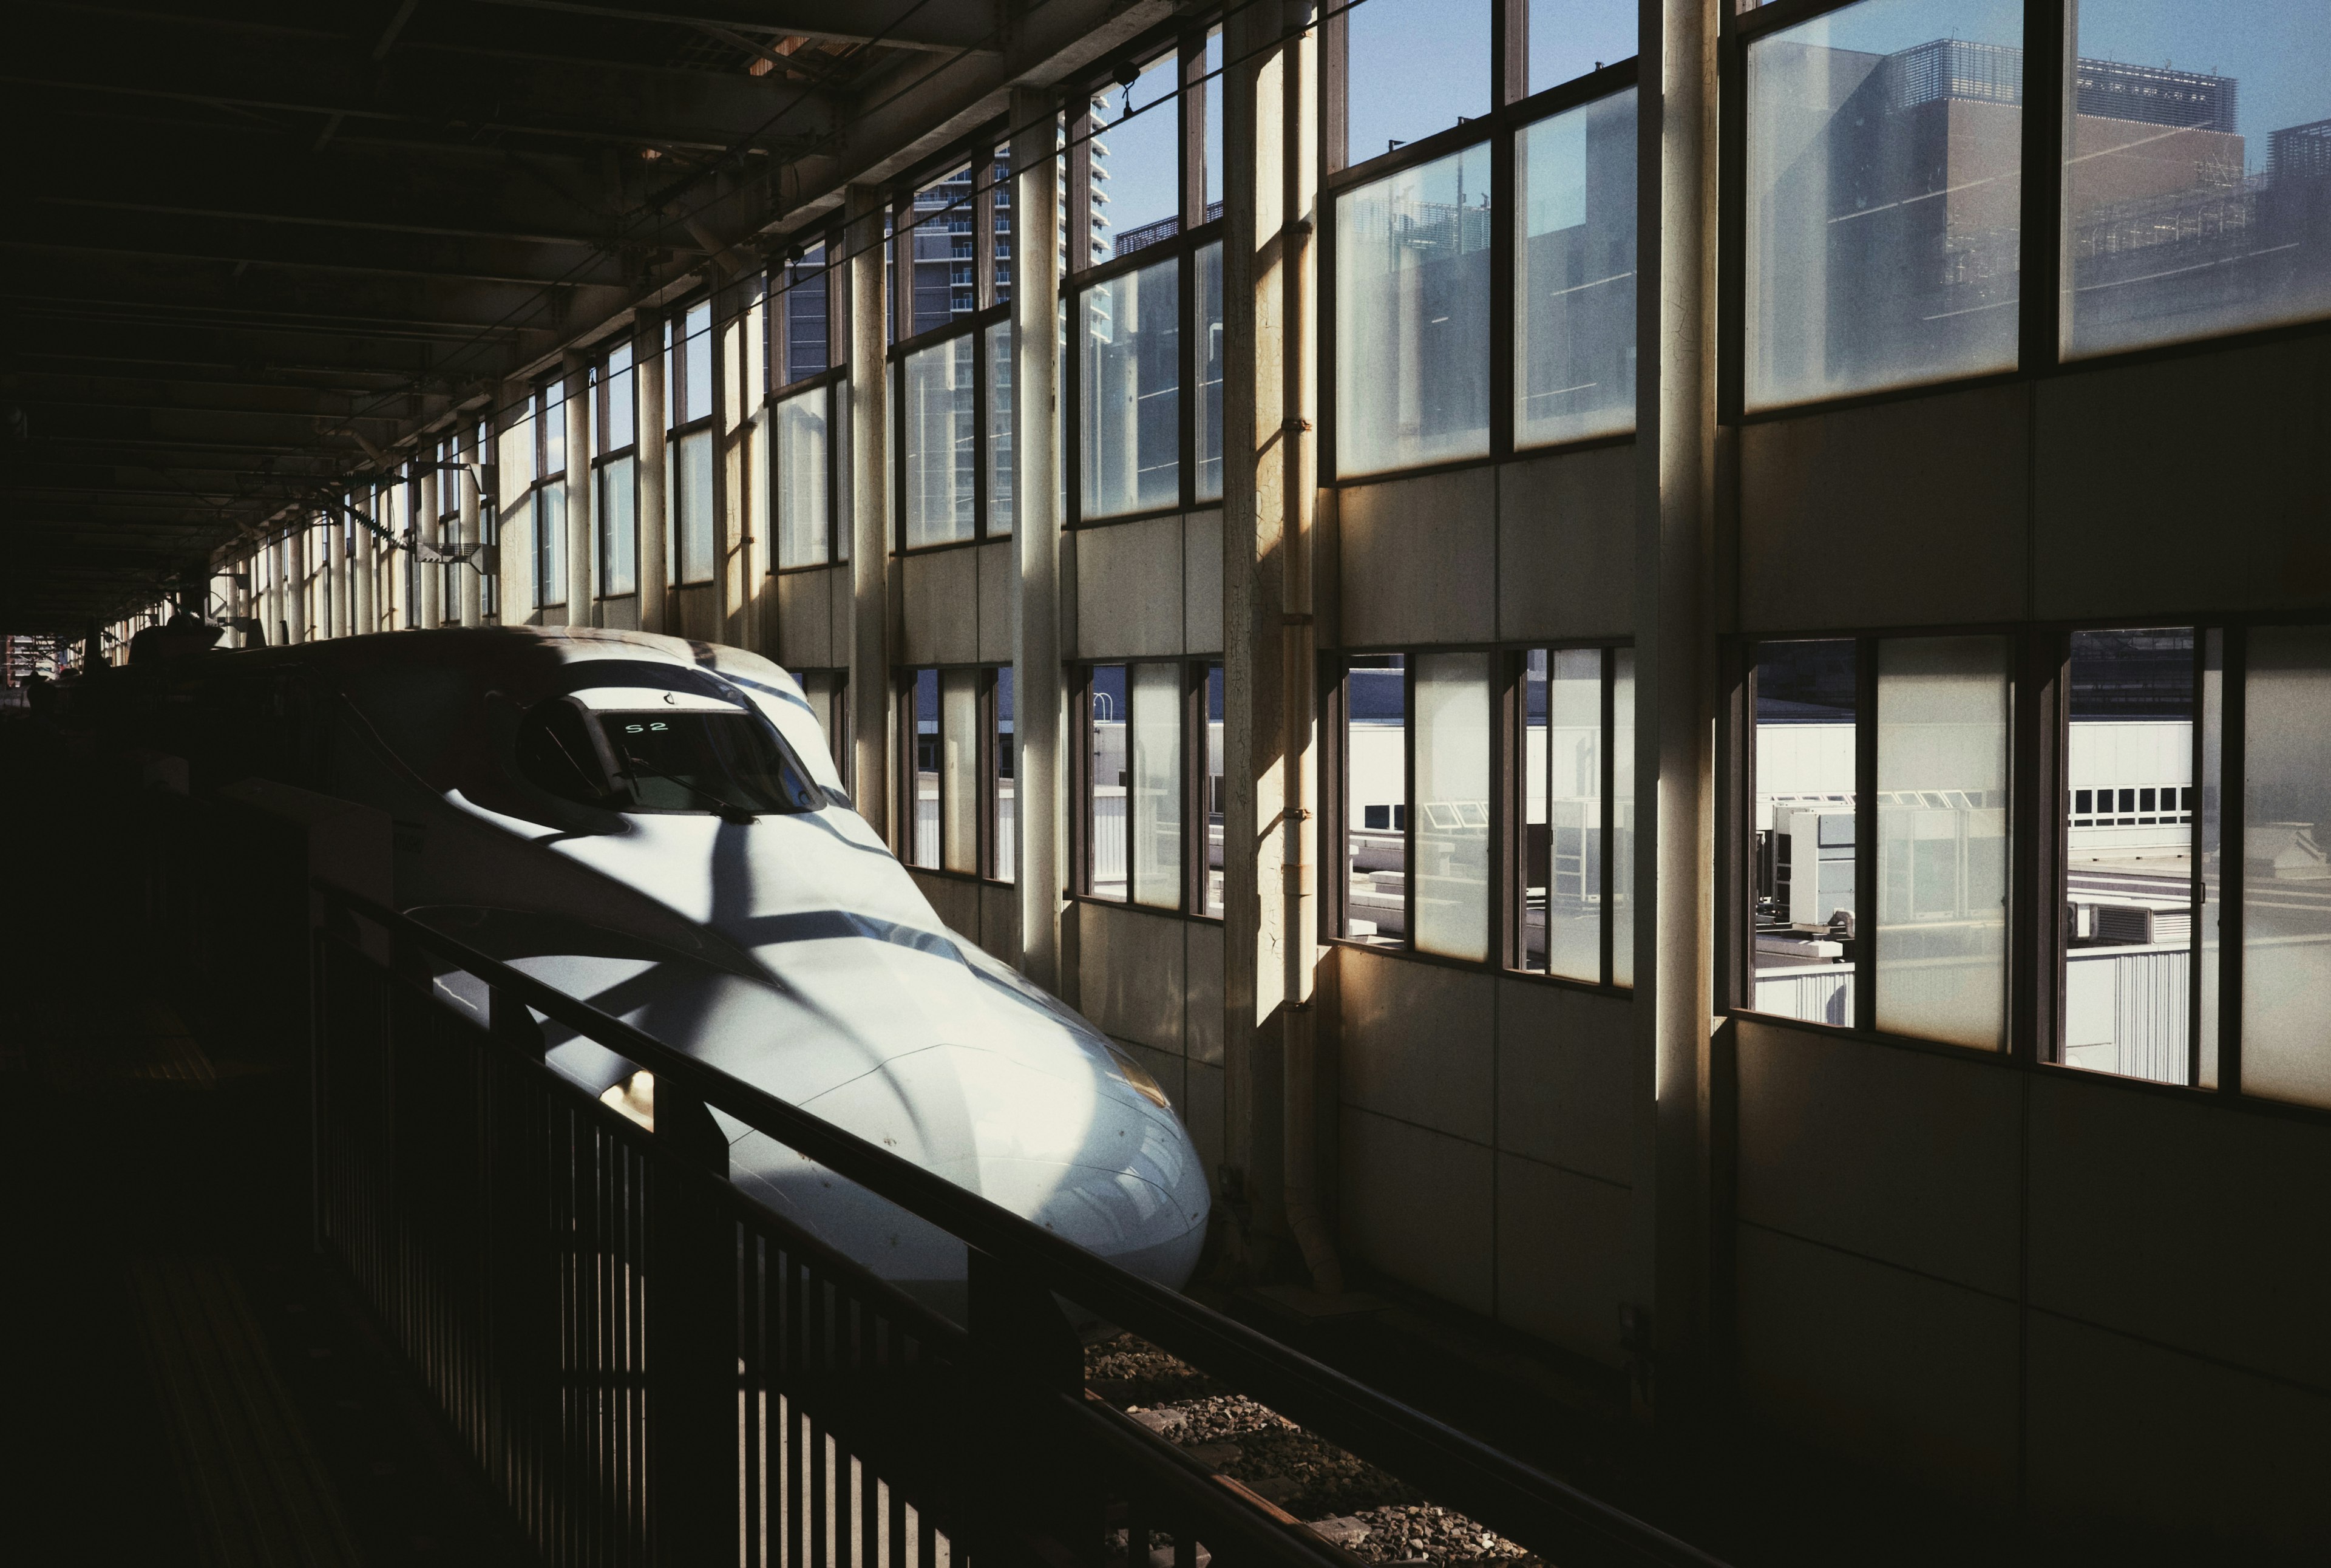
{"x": 652, "y": 1368}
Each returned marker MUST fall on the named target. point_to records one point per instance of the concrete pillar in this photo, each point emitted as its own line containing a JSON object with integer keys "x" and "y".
{"x": 579, "y": 575}
{"x": 472, "y": 576}
{"x": 655, "y": 507}
{"x": 1675, "y": 600}
{"x": 424, "y": 528}
{"x": 295, "y": 583}
{"x": 869, "y": 509}
{"x": 1038, "y": 686}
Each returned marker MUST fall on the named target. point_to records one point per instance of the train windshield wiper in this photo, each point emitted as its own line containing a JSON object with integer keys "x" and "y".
{"x": 729, "y": 811}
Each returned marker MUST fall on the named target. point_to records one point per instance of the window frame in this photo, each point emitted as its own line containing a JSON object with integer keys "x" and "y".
{"x": 601, "y": 385}
{"x": 1508, "y": 763}
{"x": 986, "y": 846}
{"x": 686, "y": 422}
{"x": 1191, "y": 722}
{"x": 543, "y": 478}
{"x": 1195, "y": 230}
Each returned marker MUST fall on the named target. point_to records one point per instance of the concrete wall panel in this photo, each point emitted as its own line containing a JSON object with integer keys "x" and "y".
{"x": 2238, "y": 522}
{"x": 1129, "y": 588}
{"x": 805, "y": 625}
{"x": 1417, "y": 1205}
{"x": 1129, "y": 973}
{"x": 2184, "y": 1224}
{"x": 1566, "y": 545}
{"x": 1564, "y": 1088}
{"x": 956, "y": 899}
{"x": 999, "y": 922}
{"x": 1204, "y": 1029}
{"x": 1202, "y": 1113}
{"x": 1900, "y": 514}
{"x": 1906, "y": 1373}
{"x": 1901, "y": 1156}
{"x": 996, "y": 569}
{"x": 1418, "y": 560}
{"x": 1417, "y": 1042}
{"x": 942, "y": 607}
{"x": 1564, "y": 1264}
{"x": 1202, "y": 593}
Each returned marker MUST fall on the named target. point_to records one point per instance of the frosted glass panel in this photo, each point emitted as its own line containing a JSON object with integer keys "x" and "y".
{"x": 1452, "y": 804}
{"x": 2286, "y": 873}
{"x": 1884, "y": 197}
{"x": 1413, "y": 316}
{"x": 959, "y": 763}
{"x": 618, "y": 533}
{"x": 939, "y": 389}
{"x": 1156, "y": 834}
{"x": 1574, "y": 261}
{"x": 550, "y": 544}
{"x": 801, "y": 479}
{"x": 1131, "y": 437}
{"x": 1942, "y": 839}
{"x": 694, "y": 539}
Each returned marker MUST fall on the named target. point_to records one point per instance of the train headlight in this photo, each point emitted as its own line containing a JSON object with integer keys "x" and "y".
{"x": 1138, "y": 1077}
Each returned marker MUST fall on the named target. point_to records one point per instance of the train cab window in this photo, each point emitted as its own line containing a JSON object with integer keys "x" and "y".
{"x": 661, "y": 760}
{"x": 555, "y": 753}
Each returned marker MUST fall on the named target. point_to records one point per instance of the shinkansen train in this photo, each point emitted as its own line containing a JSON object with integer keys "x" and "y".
{"x": 656, "y": 826}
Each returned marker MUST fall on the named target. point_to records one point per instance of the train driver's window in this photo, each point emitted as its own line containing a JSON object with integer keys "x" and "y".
{"x": 691, "y": 761}
{"x": 555, "y": 753}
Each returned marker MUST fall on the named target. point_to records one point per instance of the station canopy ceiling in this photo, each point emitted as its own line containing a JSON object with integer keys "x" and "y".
{"x": 255, "y": 246}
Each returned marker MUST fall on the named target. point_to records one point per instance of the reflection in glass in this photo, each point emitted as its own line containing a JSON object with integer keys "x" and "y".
{"x": 1213, "y": 900}
{"x": 1209, "y": 264}
{"x": 1105, "y": 822}
{"x": 2196, "y": 201}
{"x": 695, "y": 528}
{"x": 1942, "y": 839}
{"x": 801, "y": 484}
{"x": 1575, "y": 261}
{"x": 1884, "y": 191}
{"x": 1562, "y": 812}
{"x": 1007, "y": 802}
{"x": 1413, "y": 316}
{"x": 1452, "y": 804}
{"x": 1375, "y": 803}
{"x": 1620, "y": 860}
{"x": 923, "y": 835}
{"x": 959, "y": 767}
{"x": 1155, "y": 838}
{"x": 1000, "y": 513}
{"x": 1131, "y": 435}
{"x": 619, "y": 530}
{"x": 939, "y": 389}
{"x": 1802, "y": 883}
{"x": 2128, "y": 875}
{"x": 2286, "y": 873}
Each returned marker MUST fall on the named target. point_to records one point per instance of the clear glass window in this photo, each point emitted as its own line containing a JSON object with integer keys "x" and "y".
{"x": 550, "y": 545}
{"x": 1562, "y": 901}
{"x": 696, "y": 525}
{"x": 939, "y": 251}
{"x": 1884, "y": 198}
{"x": 1153, "y": 838}
{"x": 1802, "y": 882}
{"x": 1570, "y": 38}
{"x": 1213, "y": 899}
{"x": 802, "y": 310}
{"x": 1413, "y": 316}
{"x": 1376, "y": 807}
{"x": 1620, "y": 862}
{"x": 697, "y": 353}
{"x": 923, "y": 726}
{"x": 1943, "y": 705}
{"x": 1131, "y": 370}
{"x": 553, "y": 403}
{"x": 619, "y": 531}
{"x": 2285, "y": 927}
{"x": 1575, "y": 268}
{"x": 802, "y": 481}
{"x": 960, "y": 765}
{"x": 1136, "y": 159}
{"x": 1005, "y": 785}
{"x": 939, "y": 392}
{"x": 1001, "y": 512}
{"x": 620, "y": 394}
{"x": 2195, "y": 202}
{"x": 1109, "y": 767}
{"x": 1208, "y": 263}
{"x": 1413, "y": 67}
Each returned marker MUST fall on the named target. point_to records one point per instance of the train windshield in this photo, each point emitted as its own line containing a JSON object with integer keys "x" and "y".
{"x": 667, "y": 760}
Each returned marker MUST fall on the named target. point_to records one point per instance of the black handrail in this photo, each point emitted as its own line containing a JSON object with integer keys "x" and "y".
{"x": 1524, "y": 1504}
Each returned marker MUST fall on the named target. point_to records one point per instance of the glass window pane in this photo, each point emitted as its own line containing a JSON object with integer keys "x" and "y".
{"x": 1155, "y": 838}
{"x": 1943, "y": 840}
{"x": 1000, "y": 510}
{"x": 699, "y": 357}
{"x": 1574, "y": 325}
{"x": 618, "y": 534}
{"x": 2287, "y": 821}
{"x": 1375, "y": 801}
{"x": 1538, "y": 842}
{"x": 1618, "y": 859}
{"x": 1131, "y": 370}
{"x": 697, "y": 528}
{"x": 1885, "y": 183}
{"x": 1413, "y": 316}
{"x": 554, "y": 428}
{"x": 1105, "y": 827}
{"x": 923, "y": 837}
{"x": 2196, "y": 201}
{"x": 1209, "y": 265}
{"x": 2128, "y": 888}
{"x": 1000, "y": 176}
{"x": 1564, "y": 841}
{"x": 2203, "y": 801}
{"x": 940, "y": 395}
{"x": 1213, "y": 802}
{"x": 1414, "y": 67}
{"x": 804, "y": 315}
{"x": 1452, "y": 804}
{"x": 1801, "y": 881}
{"x": 1216, "y": 88}
{"x": 620, "y": 395}
{"x": 1136, "y": 160}
{"x": 959, "y": 763}
{"x": 801, "y": 479}
{"x": 1007, "y": 804}
{"x": 941, "y": 245}
{"x": 550, "y": 544}
{"x": 1569, "y": 38}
